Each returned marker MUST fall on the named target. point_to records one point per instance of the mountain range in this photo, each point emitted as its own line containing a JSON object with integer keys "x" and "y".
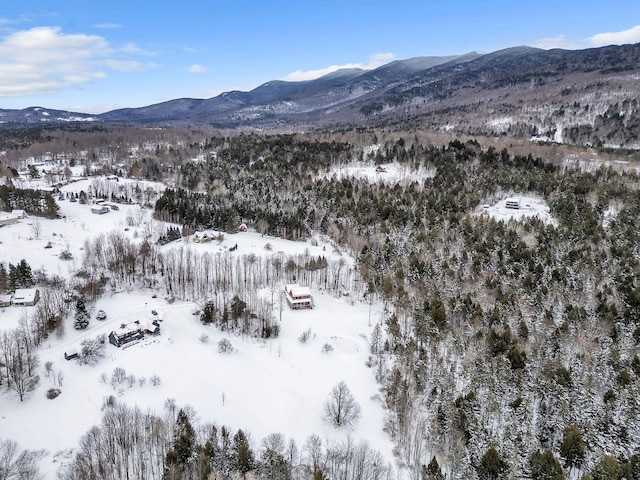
{"x": 586, "y": 97}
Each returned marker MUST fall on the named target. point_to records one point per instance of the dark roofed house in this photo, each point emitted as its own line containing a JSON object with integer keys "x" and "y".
{"x": 127, "y": 335}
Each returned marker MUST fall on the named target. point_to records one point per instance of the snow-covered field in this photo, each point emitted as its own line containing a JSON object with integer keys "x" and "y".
{"x": 278, "y": 385}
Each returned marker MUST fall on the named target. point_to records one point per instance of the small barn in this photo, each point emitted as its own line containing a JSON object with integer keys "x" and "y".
{"x": 100, "y": 209}
{"x": 5, "y": 300}
{"x": 513, "y": 203}
{"x": 26, "y": 296}
{"x": 71, "y": 354}
{"x": 298, "y": 297}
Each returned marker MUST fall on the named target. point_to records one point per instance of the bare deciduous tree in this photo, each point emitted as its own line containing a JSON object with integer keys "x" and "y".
{"x": 92, "y": 350}
{"x": 16, "y": 464}
{"x": 341, "y": 410}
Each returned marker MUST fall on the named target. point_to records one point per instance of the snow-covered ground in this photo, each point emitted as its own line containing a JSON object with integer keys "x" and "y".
{"x": 529, "y": 207}
{"x": 264, "y": 387}
{"x": 391, "y": 172}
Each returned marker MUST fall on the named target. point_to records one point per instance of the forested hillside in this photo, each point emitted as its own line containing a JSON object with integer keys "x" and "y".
{"x": 507, "y": 339}
{"x": 508, "y": 348}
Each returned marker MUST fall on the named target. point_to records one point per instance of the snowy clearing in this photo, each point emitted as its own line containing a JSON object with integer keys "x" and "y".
{"x": 386, "y": 172}
{"x": 527, "y": 207}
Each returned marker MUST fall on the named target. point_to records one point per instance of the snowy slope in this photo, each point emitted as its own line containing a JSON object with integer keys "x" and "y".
{"x": 279, "y": 385}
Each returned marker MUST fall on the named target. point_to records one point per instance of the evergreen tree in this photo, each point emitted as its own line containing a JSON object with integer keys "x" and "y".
{"x": 185, "y": 439}
{"x": 4, "y": 278}
{"x": 545, "y": 466}
{"x": 572, "y": 447}
{"x": 208, "y": 314}
{"x": 81, "y": 316}
{"x": 432, "y": 471}
{"x": 608, "y": 468}
{"x": 244, "y": 457}
{"x": 24, "y": 274}
{"x": 492, "y": 467}
{"x": 438, "y": 313}
{"x": 237, "y": 307}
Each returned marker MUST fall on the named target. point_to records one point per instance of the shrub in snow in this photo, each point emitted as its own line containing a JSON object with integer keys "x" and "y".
{"x": 304, "y": 337}
{"x": 224, "y": 346}
{"x": 66, "y": 255}
{"x": 204, "y": 338}
{"x": 326, "y": 348}
{"x": 155, "y": 380}
{"x": 101, "y": 315}
{"x": 341, "y": 410}
{"x": 108, "y": 402}
{"x": 53, "y": 393}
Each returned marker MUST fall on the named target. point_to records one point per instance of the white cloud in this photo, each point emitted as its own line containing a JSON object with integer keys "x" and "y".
{"x": 44, "y": 60}
{"x": 374, "y": 62}
{"x": 197, "y": 69}
{"x": 107, "y": 26}
{"x": 560, "y": 41}
{"x": 631, "y": 35}
{"x": 128, "y": 65}
{"x": 133, "y": 49}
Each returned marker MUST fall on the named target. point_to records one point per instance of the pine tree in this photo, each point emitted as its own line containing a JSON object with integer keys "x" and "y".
{"x": 243, "y": 454}
{"x": 432, "y": 471}
{"x": 208, "y": 314}
{"x": 545, "y": 466}
{"x": 4, "y": 278}
{"x": 572, "y": 448}
{"x": 185, "y": 439}
{"x": 81, "y": 316}
{"x": 491, "y": 466}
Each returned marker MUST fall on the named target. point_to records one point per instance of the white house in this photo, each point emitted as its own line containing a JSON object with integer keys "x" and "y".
{"x": 26, "y": 296}
{"x": 298, "y": 297}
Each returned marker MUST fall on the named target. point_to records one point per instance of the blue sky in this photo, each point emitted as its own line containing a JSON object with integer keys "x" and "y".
{"x": 95, "y": 56}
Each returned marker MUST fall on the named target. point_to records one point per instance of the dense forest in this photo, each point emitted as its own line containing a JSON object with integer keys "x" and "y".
{"x": 506, "y": 349}
{"x": 501, "y": 337}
